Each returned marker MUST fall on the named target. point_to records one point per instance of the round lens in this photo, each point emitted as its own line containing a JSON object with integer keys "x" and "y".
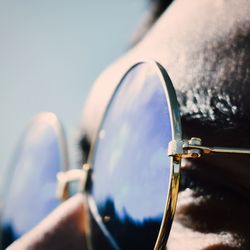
{"x": 131, "y": 169}
{"x": 32, "y": 192}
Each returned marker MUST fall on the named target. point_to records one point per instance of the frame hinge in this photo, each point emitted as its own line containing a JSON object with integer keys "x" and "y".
{"x": 194, "y": 149}
{"x": 185, "y": 149}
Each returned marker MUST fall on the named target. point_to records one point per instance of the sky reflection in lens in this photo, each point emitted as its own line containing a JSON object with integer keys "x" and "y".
{"x": 32, "y": 193}
{"x": 131, "y": 167}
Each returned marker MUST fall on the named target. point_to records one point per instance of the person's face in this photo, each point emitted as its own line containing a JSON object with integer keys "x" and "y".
{"x": 204, "y": 46}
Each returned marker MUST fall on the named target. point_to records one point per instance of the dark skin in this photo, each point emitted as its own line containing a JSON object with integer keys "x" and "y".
{"x": 207, "y": 58}
{"x": 65, "y": 228}
{"x": 204, "y": 45}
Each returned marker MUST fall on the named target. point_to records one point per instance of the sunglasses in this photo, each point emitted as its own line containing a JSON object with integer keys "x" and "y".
{"x": 133, "y": 171}
{"x": 31, "y": 182}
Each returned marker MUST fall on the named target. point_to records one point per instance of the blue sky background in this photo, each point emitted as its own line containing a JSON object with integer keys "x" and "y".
{"x": 50, "y": 53}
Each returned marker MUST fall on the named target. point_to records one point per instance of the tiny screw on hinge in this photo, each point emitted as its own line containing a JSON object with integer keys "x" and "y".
{"x": 190, "y": 152}
{"x": 194, "y": 149}
{"x": 185, "y": 149}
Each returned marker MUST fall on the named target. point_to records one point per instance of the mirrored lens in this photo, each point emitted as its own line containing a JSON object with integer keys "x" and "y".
{"x": 32, "y": 192}
{"x": 131, "y": 169}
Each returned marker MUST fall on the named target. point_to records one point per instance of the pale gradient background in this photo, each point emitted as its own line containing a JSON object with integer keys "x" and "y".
{"x": 50, "y": 53}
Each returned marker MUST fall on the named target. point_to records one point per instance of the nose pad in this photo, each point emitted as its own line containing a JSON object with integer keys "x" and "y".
{"x": 31, "y": 194}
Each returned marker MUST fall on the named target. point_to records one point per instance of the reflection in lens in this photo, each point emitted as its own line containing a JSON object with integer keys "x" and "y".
{"x": 31, "y": 195}
{"x": 131, "y": 169}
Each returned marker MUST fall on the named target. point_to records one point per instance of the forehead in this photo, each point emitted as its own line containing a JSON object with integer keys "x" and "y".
{"x": 196, "y": 33}
{"x": 203, "y": 45}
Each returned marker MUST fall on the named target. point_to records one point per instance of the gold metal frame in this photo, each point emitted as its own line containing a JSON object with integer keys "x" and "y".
{"x": 173, "y": 189}
{"x": 193, "y": 149}
{"x": 174, "y": 179}
{"x": 177, "y": 150}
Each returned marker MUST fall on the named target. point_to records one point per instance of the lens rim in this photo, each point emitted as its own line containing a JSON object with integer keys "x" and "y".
{"x": 51, "y": 122}
{"x": 176, "y": 131}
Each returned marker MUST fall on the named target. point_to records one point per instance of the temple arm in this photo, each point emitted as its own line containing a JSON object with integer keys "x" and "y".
{"x": 194, "y": 149}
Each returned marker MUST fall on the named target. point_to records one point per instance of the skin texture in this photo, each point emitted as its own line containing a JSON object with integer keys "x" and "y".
{"x": 65, "y": 228}
{"x": 204, "y": 45}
